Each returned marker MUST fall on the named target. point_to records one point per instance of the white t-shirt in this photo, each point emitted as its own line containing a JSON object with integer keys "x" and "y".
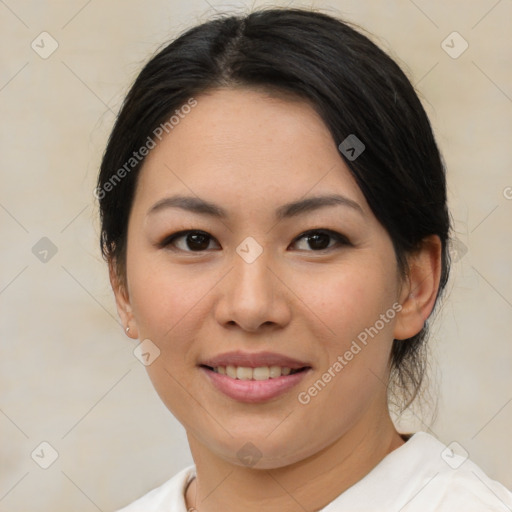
{"x": 422, "y": 475}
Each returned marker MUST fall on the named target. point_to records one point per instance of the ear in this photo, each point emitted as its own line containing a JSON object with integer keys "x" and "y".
{"x": 419, "y": 290}
{"x": 124, "y": 308}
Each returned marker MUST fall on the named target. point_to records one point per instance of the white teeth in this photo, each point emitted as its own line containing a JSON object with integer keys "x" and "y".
{"x": 275, "y": 371}
{"x": 246, "y": 373}
{"x": 243, "y": 373}
{"x": 261, "y": 373}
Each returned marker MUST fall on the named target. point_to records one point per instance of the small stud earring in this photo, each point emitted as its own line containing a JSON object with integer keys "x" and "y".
{"x": 127, "y": 329}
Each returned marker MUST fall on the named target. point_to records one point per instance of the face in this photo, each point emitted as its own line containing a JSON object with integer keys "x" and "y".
{"x": 260, "y": 277}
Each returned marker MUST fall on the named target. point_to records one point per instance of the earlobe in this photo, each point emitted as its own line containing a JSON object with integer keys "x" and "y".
{"x": 122, "y": 298}
{"x": 419, "y": 292}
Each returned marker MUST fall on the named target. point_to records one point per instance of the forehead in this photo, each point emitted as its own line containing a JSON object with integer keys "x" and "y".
{"x": 250, "y": 146}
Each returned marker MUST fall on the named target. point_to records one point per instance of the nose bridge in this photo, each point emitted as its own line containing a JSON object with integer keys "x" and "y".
{"x": 250, "y": 298}
{"x": 253, "y": 283}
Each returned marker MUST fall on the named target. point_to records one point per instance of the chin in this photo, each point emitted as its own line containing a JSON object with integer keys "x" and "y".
{"x": 261, "y": 452}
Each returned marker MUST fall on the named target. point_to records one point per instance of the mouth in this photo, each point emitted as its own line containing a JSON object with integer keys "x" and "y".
{"x": 259, "y": 373}
{"x": 254, "y": 378}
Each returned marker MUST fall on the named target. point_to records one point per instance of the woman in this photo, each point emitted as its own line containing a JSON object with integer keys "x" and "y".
{"x": 274, "y": 217}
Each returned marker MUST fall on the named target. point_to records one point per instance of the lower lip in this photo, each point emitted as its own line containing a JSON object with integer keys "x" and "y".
{"x": 253, "y": 391}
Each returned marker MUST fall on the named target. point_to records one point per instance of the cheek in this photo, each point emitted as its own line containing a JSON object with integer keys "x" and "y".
{"x": 172, "y": 305}
{"x": 169, "y": 305}
{"x": 166, "y": 299}
{"x": 352, "y": 297}
{"x": 356, "y": 306}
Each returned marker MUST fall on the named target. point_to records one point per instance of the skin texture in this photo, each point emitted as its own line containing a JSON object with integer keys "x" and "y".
{"x": 250, "y": 153}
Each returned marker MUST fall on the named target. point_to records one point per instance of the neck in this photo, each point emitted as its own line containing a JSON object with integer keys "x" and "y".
{"x": 309, "y": 484}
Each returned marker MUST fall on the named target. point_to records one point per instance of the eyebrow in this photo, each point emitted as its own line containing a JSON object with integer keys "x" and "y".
{"x": 293, "y": 209}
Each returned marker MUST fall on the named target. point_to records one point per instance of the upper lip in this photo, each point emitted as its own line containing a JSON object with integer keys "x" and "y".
{"x": 253, "y": 360}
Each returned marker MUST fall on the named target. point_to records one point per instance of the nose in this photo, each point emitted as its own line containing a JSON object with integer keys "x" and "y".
{"x": 253, "y": 297}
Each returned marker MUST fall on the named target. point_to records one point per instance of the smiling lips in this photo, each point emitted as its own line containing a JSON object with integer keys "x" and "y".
{"x": 254, "y": 378}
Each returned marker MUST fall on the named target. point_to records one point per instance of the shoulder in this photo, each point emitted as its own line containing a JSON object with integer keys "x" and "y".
{"x": 424, "y": 475}
{"x": 168, "y": 496}
{"x": 465, "y": 485}
{"x": 469, "y": 487}
{"x": 447, "y": 479}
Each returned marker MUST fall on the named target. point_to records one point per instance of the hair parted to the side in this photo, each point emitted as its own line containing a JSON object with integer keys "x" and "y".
{"x": 354, "y": 86}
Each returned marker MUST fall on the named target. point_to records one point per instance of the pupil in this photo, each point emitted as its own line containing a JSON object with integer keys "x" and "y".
{"x": 197, "y": 241}
{"x": 319, "y": 241}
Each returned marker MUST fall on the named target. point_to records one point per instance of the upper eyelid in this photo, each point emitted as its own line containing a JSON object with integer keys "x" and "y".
{"x": 179, "y": 234}
{"x": 327, "y": 231}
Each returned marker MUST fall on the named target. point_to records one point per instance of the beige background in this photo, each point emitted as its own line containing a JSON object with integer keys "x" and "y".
{"x": 68, "y": 374}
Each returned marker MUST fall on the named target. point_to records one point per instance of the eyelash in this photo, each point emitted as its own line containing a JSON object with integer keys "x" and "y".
{"x": 340, "y": 239}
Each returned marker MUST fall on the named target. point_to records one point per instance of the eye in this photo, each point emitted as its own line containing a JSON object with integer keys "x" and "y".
{"x": 199, "y": 241}
{"x": 319, "y": 239}
{"x": 189, "y": 241}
